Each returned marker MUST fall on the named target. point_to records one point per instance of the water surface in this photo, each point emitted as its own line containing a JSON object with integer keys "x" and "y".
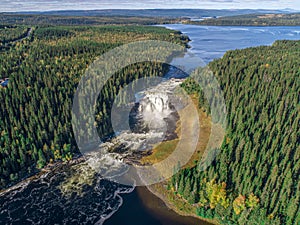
{"x": 211, "y": 42}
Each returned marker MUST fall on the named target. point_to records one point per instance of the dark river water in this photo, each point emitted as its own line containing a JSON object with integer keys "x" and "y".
{"x": 54, "y": 199}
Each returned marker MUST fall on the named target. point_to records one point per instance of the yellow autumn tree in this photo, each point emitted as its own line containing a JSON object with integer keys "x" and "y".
{"x": 252, "y": 201}
{"x": 216, "y": 194}
{"x": 239, "y": 204}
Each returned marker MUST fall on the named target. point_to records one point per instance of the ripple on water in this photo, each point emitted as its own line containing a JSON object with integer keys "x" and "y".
{"x": 41, "y": 202}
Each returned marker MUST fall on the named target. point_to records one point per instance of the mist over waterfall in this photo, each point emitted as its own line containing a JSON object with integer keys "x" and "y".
{"x": 157, "y": 107}
{"x": 152, "y": 120}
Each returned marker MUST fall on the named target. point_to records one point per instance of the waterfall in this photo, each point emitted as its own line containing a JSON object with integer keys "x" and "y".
{"x": 153, "y": 109}
{"x": 158, "y": 104}
{"x": 155, "y": 116}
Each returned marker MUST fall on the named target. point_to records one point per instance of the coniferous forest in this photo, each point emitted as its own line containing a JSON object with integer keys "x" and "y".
{"x": 44, "y": 70}
{"x": 255, "y": 178}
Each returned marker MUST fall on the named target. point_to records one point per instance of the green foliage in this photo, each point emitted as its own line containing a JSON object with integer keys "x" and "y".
{"x": 54, "y": 33}
{"x": 12, "y": 33}
{"x": 41, "y": 160}
{"x": 44, "y": 71}
{"x": 252, "y": 201}
{"x": 205, "y": 212}
{"x": 12, "y": 19}
{"x": 192, "y": 88}
{"x": 259, "y": 159}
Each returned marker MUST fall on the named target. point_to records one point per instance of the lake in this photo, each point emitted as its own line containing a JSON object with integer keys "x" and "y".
{"x": 211, "y": 42}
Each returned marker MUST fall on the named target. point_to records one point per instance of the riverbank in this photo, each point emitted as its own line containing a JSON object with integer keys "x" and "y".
{"x": 165, "y": 211}
{"x": 174, "y": 201}
{"x": 51, "y": 167}
{"x": 142, "y": 207}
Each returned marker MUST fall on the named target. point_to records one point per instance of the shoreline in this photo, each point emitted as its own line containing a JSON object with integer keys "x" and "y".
{"x": 154, "y": 190}
{"x": 161, "y": 207}
{"x": 49, "y": 168}
{"x": 142, "y": 207}
{"x": 159, "y": 190}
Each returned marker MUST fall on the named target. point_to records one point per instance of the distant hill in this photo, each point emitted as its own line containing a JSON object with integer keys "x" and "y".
{"x": 173, "y": 13}
{"x": 266, "y": 19}
{"x": 150, "y": 17}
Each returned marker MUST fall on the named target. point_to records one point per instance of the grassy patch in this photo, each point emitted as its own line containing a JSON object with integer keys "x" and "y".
{"x": 159, "y": 153}
{"x": 164, "y": 149}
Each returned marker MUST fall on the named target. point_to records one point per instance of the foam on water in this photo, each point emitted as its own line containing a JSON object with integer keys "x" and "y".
{"x": 40, "y": 201}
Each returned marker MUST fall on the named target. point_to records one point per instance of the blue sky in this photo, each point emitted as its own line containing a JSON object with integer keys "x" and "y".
{"x": 46, "y": 5}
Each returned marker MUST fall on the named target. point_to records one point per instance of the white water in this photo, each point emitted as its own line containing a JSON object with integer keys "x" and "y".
{"x": 156, "y": 105}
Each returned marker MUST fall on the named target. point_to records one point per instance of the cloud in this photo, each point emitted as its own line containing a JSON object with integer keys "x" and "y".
{"x": 40, "y": 5}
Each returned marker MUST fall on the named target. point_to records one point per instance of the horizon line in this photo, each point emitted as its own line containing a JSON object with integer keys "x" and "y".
{"x": 64, "y": 10}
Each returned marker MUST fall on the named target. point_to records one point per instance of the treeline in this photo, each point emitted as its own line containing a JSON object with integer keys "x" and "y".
{"x": 255, "y": 178}
{"x": 12, "y": 33}
{"x": 44, "y": 72}
{"x": 252, "y": 20}
{"x": 15, "y": 19}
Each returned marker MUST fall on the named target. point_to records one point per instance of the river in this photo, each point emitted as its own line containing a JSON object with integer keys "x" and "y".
{"x": 48, "y": 199}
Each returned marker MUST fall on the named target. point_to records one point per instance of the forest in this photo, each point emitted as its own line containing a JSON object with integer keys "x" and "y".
{"x": 44, "y": 70}
{"x": 255, "y": 178}
{"x": 11, "y": 33}
{"x": 30, "y": 19}
{"x": 252, "y": 20}
{"x": 215, "y": 18}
